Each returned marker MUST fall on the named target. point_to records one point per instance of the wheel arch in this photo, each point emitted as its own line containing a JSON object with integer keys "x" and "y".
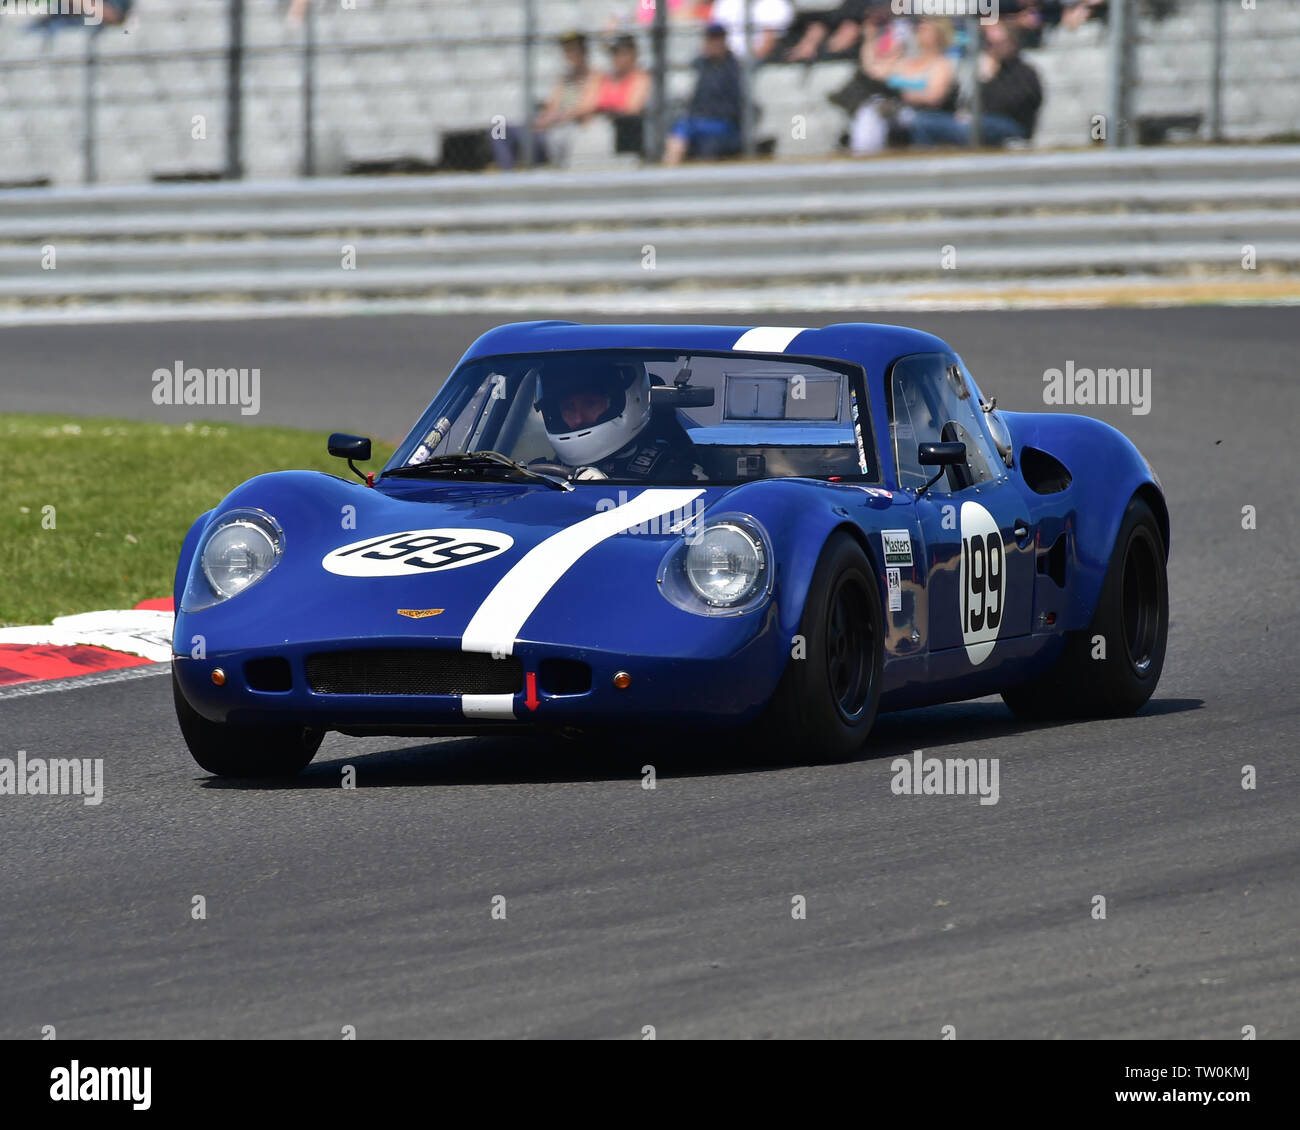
{"x": 800, "y": 529}
{"x": 1149, "y": 493}
{"x": 1107, "y": 473}
{"x": 186, "y": 557}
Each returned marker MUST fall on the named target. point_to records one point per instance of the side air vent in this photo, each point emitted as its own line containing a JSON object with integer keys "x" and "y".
{"x": 564, "y": 676}
{"x": 268, "y": 674}
{"x": 1044, "y": 473}
{"x": 1052, "y": 563}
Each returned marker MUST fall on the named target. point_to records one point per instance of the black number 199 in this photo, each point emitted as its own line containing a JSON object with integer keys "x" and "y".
{"x": 981, "y": 558}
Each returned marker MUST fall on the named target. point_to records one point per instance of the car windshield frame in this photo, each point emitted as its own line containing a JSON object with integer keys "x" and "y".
{"x": 859, "y": 414}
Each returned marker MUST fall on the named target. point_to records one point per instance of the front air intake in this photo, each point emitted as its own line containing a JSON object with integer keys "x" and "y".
{"x": 413, "y": 671}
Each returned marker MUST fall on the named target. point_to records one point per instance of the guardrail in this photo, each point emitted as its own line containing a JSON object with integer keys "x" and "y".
{"x": 754, "y": 228}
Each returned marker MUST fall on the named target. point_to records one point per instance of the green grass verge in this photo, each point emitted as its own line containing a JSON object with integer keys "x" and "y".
{"x": 123, "y": 494}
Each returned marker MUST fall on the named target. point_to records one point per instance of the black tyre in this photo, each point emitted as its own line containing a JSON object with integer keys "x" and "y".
{"x": 1131, "y": 622}
{"x": 825, "y": 705}
{"x": 244, "y": 751}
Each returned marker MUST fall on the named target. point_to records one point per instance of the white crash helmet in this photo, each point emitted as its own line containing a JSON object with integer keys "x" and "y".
{"x": 625, "y": 383}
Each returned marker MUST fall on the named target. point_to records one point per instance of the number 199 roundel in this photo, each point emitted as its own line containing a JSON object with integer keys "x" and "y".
{"x": 774, "y": 530}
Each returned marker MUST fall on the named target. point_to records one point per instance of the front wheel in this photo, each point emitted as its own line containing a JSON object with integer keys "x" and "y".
{"x": 244, "y": 751}
{"x": 1113, "y": 667}
{"x": 826, "y": 703}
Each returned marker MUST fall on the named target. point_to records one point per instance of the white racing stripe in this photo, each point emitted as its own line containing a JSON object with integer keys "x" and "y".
{"x": 495, "y": 627}
{"x": 767, "y": 339}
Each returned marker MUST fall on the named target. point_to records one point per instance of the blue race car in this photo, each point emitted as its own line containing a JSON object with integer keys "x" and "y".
{"x": 596, "y": 527}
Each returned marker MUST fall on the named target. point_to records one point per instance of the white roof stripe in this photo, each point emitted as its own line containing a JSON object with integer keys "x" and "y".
{"x": 768, "y": 339}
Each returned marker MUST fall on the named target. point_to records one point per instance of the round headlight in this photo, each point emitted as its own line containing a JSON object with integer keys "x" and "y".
{"x": 725, "y": 564}
{"x": 240, "y": 553}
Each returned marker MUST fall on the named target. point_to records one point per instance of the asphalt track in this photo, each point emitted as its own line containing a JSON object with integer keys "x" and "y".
{"x": 627, "y": 907}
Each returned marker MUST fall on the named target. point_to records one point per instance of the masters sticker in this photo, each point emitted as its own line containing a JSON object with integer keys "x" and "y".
{"x": 898, "y": 547}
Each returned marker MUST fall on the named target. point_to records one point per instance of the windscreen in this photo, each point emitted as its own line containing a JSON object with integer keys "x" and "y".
{"x": 638, "y": 416}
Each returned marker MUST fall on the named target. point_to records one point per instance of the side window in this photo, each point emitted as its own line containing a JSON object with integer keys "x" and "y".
{"x": 932, "y": 402}
{"x": 980, "y": 449}
{"x": 913, "y": 416}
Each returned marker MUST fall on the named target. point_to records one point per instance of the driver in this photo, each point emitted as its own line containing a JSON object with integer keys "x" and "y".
{"x": 597, "y": 415}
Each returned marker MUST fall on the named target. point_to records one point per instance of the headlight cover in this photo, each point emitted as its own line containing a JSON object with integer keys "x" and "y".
{"x": 720, "y": 569}
{"x": 238, "y": 550}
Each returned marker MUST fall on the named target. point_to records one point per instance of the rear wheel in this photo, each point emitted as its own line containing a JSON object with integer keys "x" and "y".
{"x": 244, "y": 751}
{"x": 826, "y": 702}
{"x": 1113, "y": 667}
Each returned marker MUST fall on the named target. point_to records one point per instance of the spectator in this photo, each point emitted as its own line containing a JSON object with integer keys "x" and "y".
{"x": 924, "y": 79}
{"x": 1029, "y": 18}
{"x": 565, "y": 107}
{"x": 1010, "y": 96}
{"x": 883, "y": 40}
{"x": 622, "y": 93}
{"x": 1076, "y": 13}
{"x": 711, "y": 127}
{"x": 768, "y": 20}
{"x": 832, "y": 35}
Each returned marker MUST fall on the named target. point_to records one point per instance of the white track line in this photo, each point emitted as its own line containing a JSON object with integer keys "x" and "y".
{"x": 51, "y": 686}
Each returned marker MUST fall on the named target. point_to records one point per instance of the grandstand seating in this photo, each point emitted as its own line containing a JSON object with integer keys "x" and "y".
{"x": 394, "y": 75}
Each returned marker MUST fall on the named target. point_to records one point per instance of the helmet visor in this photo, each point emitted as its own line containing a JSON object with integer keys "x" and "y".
{"x": 575, "y": 393}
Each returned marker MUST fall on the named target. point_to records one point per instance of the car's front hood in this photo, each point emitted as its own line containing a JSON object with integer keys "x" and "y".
{"x": 485, "y": 563}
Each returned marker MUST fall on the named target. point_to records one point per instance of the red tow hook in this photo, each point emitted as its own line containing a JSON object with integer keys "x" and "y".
{"x": 530, "y": 681}
{"x": 370, "y": 479}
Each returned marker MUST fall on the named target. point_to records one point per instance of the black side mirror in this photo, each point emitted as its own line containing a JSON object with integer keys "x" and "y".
{"x": 941, "y": 455}
{"x": 344, "y": 446}
{"x": 350, "y": 447}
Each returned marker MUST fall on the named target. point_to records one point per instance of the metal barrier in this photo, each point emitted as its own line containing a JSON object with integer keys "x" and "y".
{"x": 948, "y": 224}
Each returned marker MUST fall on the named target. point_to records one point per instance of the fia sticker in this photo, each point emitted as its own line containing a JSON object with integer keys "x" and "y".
{"x": 982, "y": 583}
{"x": 898, "y": 547}
{"x": 412, "y": 552}
{"x": 895, "y": 581}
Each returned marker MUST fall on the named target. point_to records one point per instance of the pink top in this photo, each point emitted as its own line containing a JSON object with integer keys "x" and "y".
{"x": 614, "y": 94}
{"x": 645, "y": 9}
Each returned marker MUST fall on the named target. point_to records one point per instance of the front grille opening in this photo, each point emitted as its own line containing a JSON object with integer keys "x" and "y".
{"x": 563, "y": 676}
{"x": 269, "y": 674}
{"x": 413, "y": 671}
